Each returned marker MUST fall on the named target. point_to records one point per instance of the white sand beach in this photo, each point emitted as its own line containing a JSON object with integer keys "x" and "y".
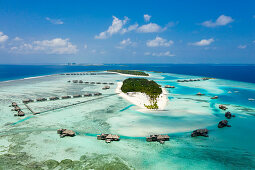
{"x": 140, "y": 99}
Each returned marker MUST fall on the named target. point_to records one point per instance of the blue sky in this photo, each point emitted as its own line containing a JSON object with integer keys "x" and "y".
{"x": 162, "y": 31}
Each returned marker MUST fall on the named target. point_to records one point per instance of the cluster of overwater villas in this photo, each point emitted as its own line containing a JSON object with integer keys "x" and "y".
{"x": 108, "y": 138}
{"x": 190, "y": 80}
{"x": 73, "y": 74}
{"x": 161, "y": 138}
{"x": 63, "y": 97}
{"x": 21, "y": 113}
{"x": 86, "y": 82}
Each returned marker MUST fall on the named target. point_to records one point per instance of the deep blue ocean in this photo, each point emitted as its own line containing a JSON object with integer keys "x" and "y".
{"x": 245, "y": 73}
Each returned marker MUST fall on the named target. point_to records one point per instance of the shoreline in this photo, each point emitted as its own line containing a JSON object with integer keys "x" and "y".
{"x": 139, "y": 99}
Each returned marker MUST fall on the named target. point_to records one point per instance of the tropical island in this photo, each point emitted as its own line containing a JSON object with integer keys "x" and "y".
{"x": 142, "y": 92}
{"x": 131, "y": 72}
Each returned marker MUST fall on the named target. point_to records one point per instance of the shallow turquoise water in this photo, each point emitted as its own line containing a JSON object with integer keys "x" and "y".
{"x": 227, "y": 148}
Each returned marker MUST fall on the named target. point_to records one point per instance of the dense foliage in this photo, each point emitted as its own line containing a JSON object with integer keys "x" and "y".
{"x": 132, "y": 72}
{"x": 149, "y": 87}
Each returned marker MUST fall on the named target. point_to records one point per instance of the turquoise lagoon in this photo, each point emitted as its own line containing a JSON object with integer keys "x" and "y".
{"x": 31, "y": 142}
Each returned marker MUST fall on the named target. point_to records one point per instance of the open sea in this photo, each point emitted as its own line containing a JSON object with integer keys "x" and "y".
{"x": 244, "y": 73}
{"x": 32, "y": 142}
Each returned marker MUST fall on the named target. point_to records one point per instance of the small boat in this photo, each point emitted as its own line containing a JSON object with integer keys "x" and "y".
{"x": 251, "y": 99}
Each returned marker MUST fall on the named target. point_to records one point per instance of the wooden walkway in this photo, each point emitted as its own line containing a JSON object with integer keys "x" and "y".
{"x": 75, "y": 104}
{"x": 29, "y": 108}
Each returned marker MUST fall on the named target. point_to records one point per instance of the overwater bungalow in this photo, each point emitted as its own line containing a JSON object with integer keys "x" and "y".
{"x": 14, "y": 104}
{"x": 215, "y": 97}
{"x": 20, "y": 113}
{"x": 108, "y": 137}
{"x": 66, "y": 97}
{"x": 228, "y": 115}
{"x": 222, "y": 107}
{"x": 200, "y": 132}
{"x": 69, "y": 81}
{"x": 87, "y": 95}
{"x": 97, "y": 94}
{"x": 76, "y": 96}
{"x": 87, "y": 82}
{"x": 200, "y": 94}
{"x": 80, "y": 81}
{"x": 158, "y": 138}
{"x": 92, "y": 83}
{"x": 104, "y": 83}
{"x": 106, "y": 87}
{"x": 65, "y": 132}
{"x": 75, "y": 81}
{"x": 111, "y": 83}
{"x": 16, "y": 108}
{"x": 223, "y": 123}
{"x": 27, "y": 101}
{"x": 98, "y": 83}
{"x": 54, "y": 98}
{"x": 41, "y": 99}
{"x": 168, "y": 86}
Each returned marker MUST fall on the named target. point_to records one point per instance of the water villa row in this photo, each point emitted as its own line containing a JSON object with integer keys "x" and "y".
{"x": 86, "y": 82}
{"x": 74, "y": 74}
{"x": 191, "y": 80}
{"x": 17, "y": 109}
{"x": 221, "y": 124}
{"x": 63, "y": 97}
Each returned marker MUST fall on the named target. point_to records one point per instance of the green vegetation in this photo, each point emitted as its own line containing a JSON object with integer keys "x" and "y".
{"x": 132, "y": 72}
{"x": 149, "y": 87}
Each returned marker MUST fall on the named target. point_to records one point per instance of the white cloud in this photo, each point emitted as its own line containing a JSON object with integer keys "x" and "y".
{"x": 203, "y": 42}
{"x": 54, "y": 21}
{"x": 160, "y": 54}
{"x": 3, "y": 37}
{"x": 151, "y": 27}
{"x": 116, "y": 27}
{"x": 221, "y": 21}
{"x": 158, "y": 41}
{"x": 17, "y": 39}
{"x": 130, "y": 28}
{"x": 146, "y": 17}
{"x": 126, "y": 42}
{"x": 242, "y": 46}
{"x": 85, "y": 46}
{"x": 54, "y": 46}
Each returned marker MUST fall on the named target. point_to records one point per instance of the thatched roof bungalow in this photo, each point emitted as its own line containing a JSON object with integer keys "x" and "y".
{"x": 66, "y": 97}
{"x": 200, "y": 94}
{"x": 215, "y": 97}
{"x": 65, "y": 132}
{"x": 158, "y": 138}
{"x": 76, "y": 96}
{"x": 87, "y": 95}
{"x": 41, "y": 99}
{"x": 27, "y": 101}
{"x": 106, "y": 87}
{"x": 54, "y": 98}
{"x": 168, "y": 86}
